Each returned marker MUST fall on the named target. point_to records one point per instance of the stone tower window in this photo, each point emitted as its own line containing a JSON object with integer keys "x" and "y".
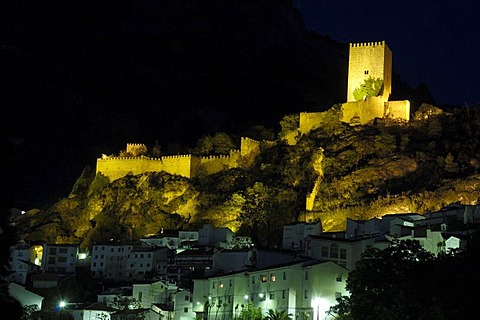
{"x": 365, "y": 72}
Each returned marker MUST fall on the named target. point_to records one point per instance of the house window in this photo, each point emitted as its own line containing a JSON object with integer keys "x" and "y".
{"x": 220, "y": 285}
{"x": 339, "y": 278}
{"x": 325, "y": 252}
{"x": 213, "y": 285}
{"x": 230, "y": 282}
{"x": 272, "y": 295}
{"x": 263, "y": 277}
{"x": 185, "y": 309}
{"x": 338, "y": 295}
{"x": 186, "y": 298}
{"x": 253, "y": 279}
{"x": 305, "y": 294}
{"x": 306, "y": 275}
{"x": 334, "y": 251}
{"x": 343, "y": 253}
{"x": 284, "y": 275}
{"x": 272, "y": 277}
{"x": 342, "y": 264}
{"x": 284, "y": 294}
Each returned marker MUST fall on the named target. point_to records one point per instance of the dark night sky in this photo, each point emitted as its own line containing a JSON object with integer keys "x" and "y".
{"x": 434, "y": 42}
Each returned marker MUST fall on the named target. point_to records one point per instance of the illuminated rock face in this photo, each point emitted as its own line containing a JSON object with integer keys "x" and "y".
{"x": 370, "y": 59}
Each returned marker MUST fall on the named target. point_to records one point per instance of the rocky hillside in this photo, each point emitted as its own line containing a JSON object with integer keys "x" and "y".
{"x": 356, "y": 171}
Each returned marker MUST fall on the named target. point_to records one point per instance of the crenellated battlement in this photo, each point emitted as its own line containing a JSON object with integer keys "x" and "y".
{"x": 186, "y": 165}
{"x": 367, "y": 44}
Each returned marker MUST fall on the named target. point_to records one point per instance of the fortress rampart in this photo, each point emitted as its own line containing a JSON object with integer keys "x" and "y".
{"x": 188, "y": 166}
{"x": 364, "y": 110}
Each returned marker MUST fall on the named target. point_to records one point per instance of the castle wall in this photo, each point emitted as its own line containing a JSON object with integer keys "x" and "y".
{"x": 116, "y": 167}
{"x": 370, "y": 59}
{"x": 184, "y": 165}
{"x": 249, "y": 149}
{"x": 366, "y": 110}
{"x": 214, "y": 164}
{"x": 309, "y": 121}
{"x": 180, "y": 165}
{"x": 398, "y": 110}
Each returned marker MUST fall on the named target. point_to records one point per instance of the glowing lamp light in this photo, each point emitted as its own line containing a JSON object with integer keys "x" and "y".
{"x": 260, "y": 295}
{"x": 320, "y": 306}
{"x": 62, "y": 304}
{"x": 246, "y": 297}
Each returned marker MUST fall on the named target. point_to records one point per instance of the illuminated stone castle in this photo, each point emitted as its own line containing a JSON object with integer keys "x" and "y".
{"x": 370, "y": 59}
{"x": 187, "y": 165}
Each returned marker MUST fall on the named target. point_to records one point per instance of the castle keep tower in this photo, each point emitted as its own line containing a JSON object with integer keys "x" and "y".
{"x": 369, "y": 59}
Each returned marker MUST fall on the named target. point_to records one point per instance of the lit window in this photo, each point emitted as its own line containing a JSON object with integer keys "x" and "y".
{"x": 272, "y": 277}
{"x": 263, "y": 277}
{"x": 343, "y": 253}
{"x": 220, "y": 285}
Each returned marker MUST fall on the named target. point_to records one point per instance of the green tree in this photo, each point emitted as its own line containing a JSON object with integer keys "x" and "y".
{"x": 219, "y": 143}
{"x": 255, "y": 211}
{"x": 249, "y": 312}
{"x": 125, "y": 303}
{"x": 385, "y": 282}
{"x": 371, "y": 87}
{"x": 289, "y": 123}
{"x": 31, "y": 312}
{"x": 260, "y": 133}
{"x": 341, "y": 311}
{"x": 278, "y": 315}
